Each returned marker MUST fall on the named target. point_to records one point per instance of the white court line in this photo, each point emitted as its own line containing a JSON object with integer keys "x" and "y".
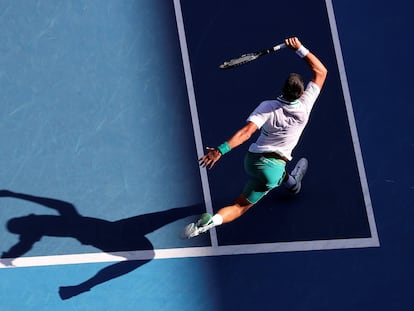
{"x": 194, "y": 113}
{"x": 216, "y": 250}
{"x": 186, "y": 252}
{"x": 352, "y": 123}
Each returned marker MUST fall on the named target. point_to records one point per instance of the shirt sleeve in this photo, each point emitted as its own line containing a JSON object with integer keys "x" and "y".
{"x": 260, "y": 114}
{"x": 310, "y": 94}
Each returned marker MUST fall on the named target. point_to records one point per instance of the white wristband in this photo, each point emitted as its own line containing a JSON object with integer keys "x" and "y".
{"x": 302, "y": 51}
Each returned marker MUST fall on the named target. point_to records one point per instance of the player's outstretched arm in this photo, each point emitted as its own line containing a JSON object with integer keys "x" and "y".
{"x": 214, "y": 154}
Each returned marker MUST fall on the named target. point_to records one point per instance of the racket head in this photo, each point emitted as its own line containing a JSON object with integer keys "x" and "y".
{"x": 245, "y": 58}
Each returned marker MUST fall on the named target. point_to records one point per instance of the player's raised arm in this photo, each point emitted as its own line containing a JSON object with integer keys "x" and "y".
{"x": 313, "y": 62}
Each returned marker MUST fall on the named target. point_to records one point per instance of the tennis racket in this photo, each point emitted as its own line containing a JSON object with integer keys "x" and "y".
{"x": 246, "y": 58}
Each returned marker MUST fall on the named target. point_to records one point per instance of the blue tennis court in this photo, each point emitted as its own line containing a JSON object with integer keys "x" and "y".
{"x": 106, "y": 107}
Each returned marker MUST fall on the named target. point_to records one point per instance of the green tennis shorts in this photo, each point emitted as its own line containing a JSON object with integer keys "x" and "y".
{"x": 265, "y": 174}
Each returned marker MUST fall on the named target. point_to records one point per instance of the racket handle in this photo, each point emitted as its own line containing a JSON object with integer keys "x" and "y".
{"x": 279, "y": 46}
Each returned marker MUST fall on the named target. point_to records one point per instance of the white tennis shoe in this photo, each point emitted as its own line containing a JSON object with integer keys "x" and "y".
{"x": 298, "y": 172}
{"x": 202, "y": 225}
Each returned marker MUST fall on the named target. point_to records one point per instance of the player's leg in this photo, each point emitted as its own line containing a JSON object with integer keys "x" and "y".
{"x": 224, "y": 215}
{"x": 234, "y": 211}
{"x": 265, "y": 174}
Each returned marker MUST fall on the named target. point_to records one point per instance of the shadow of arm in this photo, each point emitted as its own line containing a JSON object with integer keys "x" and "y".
{"x": 62, "y": 207}
{"x": 24, "y": 245}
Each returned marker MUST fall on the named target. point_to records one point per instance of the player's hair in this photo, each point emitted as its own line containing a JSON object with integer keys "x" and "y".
{"x": 293, "y": 87}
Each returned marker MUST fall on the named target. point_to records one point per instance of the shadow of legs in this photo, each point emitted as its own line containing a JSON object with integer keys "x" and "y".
{"x": 104, "y": 275}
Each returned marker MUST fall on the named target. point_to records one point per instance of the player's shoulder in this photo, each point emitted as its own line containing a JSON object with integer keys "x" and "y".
{"x": 312, "y": 87}
{"x": 310, "y": 94}
{"x": 269, "y": 105}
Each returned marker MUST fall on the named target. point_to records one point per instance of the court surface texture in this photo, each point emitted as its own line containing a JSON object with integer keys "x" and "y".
{"x": 106, "y": 107}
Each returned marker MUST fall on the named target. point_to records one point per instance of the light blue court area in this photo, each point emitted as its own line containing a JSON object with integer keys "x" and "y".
{"x": 39, "y": 287}
{"x": 98, "y": 149}
{"x": 95, "y": 116}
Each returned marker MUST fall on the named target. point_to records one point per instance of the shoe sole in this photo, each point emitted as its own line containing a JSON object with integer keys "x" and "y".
{"x": 301, "y": 166}
{"x": 189, "y": 231}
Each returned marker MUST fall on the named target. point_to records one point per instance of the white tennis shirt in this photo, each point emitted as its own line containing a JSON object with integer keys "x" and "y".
{"x": 282, "y": 122}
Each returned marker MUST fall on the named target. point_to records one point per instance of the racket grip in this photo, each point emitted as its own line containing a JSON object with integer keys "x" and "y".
{"x": 279, "y": 46}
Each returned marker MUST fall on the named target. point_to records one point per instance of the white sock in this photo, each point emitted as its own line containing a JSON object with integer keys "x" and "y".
{"x": 290, "y": 183}
{"x": 217, "y": 220}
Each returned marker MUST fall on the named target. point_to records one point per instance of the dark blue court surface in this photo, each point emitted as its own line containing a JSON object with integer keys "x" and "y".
{"x": 332, "y": 205}
{"x": 106, "y": 106}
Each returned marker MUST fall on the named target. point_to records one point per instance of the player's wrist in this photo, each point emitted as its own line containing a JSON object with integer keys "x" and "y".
{"x": 302, "y": 51}
{"x": 224, "y": 148}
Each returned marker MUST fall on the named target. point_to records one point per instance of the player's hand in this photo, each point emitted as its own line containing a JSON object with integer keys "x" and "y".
{"x": 293, "y": 43}
{"x": 210, "y": 158}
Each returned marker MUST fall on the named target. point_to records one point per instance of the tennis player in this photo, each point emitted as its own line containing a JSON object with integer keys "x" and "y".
{"x": 281, "y": 122}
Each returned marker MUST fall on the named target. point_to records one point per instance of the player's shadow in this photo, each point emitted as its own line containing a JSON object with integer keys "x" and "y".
{"x": 109, "y": 236}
